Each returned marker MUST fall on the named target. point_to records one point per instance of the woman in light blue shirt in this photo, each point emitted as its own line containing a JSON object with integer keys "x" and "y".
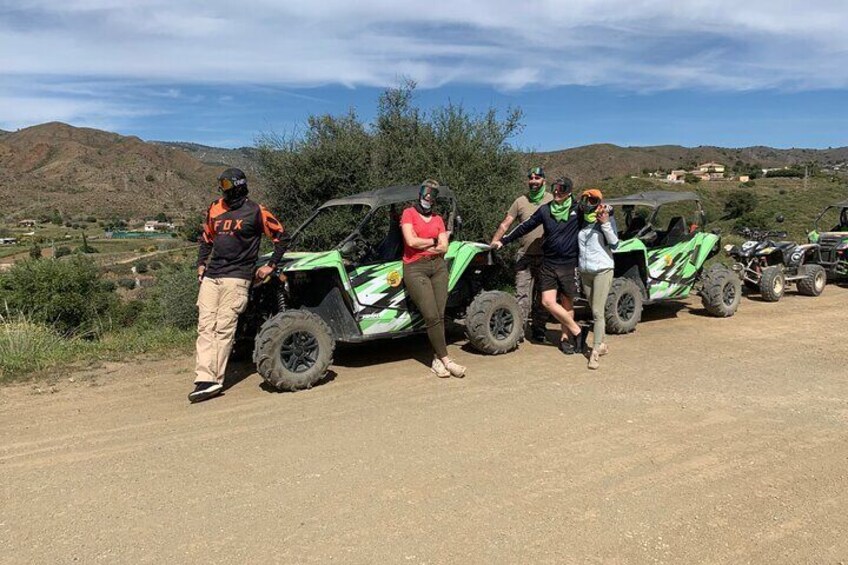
{"x": 596, "y": 240}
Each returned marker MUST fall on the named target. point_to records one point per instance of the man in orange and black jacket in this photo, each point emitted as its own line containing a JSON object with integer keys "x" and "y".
{"x": 226, "y": 267}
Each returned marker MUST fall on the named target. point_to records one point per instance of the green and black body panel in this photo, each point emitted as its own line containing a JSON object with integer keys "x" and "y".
{"x": 665, "y": 272}
{"x": 834, "y": 253}
{"x": 366, "y": 301}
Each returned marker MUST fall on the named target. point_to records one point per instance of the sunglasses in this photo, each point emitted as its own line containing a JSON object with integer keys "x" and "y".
{"x": 227, "y": 184}
{"x": 592, "y": 200}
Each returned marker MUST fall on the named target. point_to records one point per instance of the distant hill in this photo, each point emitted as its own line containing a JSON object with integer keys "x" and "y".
{"x": 592, "y": 163}
{"x": 83, "y": 171}
{"x": 245, "y": 158}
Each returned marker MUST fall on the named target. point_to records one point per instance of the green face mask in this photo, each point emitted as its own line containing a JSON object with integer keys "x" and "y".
{"x": 591, "y": 218}
{"x": 561, "y": 211}
{"x": 535, "y": 196}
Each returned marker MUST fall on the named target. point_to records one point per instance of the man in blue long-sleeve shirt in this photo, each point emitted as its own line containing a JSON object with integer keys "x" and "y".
{"x": 561, "y": 223}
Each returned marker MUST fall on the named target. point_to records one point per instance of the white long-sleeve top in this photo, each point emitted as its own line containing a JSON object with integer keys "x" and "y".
{"x": 596, "y": 242}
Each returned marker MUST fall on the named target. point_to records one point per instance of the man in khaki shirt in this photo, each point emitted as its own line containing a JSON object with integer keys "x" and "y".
{"x": 528, "y": 260}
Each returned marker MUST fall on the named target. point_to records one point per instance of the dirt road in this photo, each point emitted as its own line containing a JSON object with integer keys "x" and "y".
{"x": 699, "y": 441}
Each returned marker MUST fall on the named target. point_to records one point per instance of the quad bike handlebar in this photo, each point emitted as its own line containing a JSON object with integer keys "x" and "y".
{"x": 760, "y": 235}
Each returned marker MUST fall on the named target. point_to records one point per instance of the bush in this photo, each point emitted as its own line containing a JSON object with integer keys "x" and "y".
{"x": 173, "y": 298}
{"x": 62, "y": 251}
{"x": 739, "y": 204}
{"x": 140, "y": 267}
{"x": 342, "y": 155}
{"x": 149, "y": 178}
{"x": 689, "y": 178}
{"x": 35, "y": 252}
{"x": 67, "y": 295}
{"x": 126, "y": 283}
{"x": 155, "y": 265}
{"x": 27, "y": 346}
{"x": 748, "y": 184}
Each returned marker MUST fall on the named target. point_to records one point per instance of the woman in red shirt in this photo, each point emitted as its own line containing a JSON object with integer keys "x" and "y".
{"x": 425, "y": 274}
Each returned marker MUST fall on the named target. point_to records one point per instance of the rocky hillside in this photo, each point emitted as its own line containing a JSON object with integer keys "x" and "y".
{"x": 82, "y": 171}
{"x": 592, "y": 163}
{"x": 79, "y": 171}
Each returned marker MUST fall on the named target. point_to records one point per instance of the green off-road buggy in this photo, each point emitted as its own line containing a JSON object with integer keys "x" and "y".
{"x": 833, "y": 241}
{"x": 354, "y": 291}
{"x": 654, "y": 265}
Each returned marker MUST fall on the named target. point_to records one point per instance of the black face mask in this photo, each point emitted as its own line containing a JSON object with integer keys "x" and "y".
{"x": 235, "y": 197}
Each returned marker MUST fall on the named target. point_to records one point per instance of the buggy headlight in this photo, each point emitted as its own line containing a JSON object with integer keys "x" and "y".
{"x": 729, "y": 247}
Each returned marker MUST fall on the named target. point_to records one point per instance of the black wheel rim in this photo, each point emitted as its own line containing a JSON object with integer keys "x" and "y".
{"x": 299, "y": 352}
{"x": 728, "y": 295}
{"x": 501, "y": 324}
{"x": 626, "y": 306}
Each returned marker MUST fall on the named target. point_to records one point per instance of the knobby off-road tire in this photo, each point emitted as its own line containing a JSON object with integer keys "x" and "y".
{"x": 772, "y": 284}
{"x": 494, "y": 322}
{"x": 623, "y": 309}
{"x": 814, "y": 281}
{"x": 293, "y": 350}
{"x": 721, "y": 291}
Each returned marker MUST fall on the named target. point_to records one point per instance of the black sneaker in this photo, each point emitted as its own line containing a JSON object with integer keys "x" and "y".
{"x": 584, "y": 337}
{"x": 204, "y": 391}
{"x": 538, "y": 335}
{"x": 567, "y": 345}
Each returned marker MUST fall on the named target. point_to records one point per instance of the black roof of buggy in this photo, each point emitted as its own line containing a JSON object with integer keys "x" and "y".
{"x": 385, "y": 196}
{"x": 654, "y": 199}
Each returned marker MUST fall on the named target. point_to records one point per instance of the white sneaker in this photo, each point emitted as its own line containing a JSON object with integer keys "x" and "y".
{"x": 439, "y": 369}
{"x": 455, "y": 369}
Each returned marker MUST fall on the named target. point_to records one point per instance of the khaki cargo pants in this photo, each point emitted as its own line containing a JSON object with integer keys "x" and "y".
{"x": 527, "y": 288}
{"x": 219, "y": 303}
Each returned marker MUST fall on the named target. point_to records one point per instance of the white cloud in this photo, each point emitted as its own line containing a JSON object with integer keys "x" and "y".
{"x": 652, "y": 44}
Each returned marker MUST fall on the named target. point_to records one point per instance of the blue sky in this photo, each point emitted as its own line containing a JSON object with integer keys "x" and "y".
{"x": 584, "y": 71}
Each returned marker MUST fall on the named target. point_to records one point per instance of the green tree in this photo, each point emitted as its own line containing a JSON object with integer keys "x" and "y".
{"x": 689, "y": 178}
{"x": 35, "y": 251}
{"x": 739, "y": 204}
{"x": 340, "y": 155}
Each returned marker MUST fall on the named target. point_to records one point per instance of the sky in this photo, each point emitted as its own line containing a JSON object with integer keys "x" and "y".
{"x": 629, "y": 72}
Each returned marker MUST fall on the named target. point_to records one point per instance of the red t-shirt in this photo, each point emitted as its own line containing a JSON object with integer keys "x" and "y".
{"x": 423, "y": 229}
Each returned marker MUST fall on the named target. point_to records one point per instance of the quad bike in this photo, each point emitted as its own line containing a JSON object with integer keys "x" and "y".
{"x": 353, "y": 292}
{"x": 834, "y": 241}
{"x": 654, "y": 265}
{"x": 766, "y": 264}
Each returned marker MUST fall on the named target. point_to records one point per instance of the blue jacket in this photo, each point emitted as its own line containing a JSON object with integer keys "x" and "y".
{"x": 559, "y": 245}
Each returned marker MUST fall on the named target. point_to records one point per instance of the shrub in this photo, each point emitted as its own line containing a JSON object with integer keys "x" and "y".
{"x": 155, "y": 265}
{"x": 140, "y": 267}
{"x": 62, "y": 251}
{"x": 126, "y": 283}
{"x": 35, "y": 252}
{"x": 342, "y": 155}
{"x": 27, "y": 346}
{"x": 67, "y": 295}
{"x": 740, "y": 203}
{"x": 173, "y": 298}
{"x": 689, "y": 178}
{"x": 149, "y": 178}
{"x": 748, "y": 184}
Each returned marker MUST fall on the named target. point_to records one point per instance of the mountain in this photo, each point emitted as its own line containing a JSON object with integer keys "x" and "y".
{"x": 89, "y": 172}
{"x": 83, "y": 171}
{"x": 592, "y": 163}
